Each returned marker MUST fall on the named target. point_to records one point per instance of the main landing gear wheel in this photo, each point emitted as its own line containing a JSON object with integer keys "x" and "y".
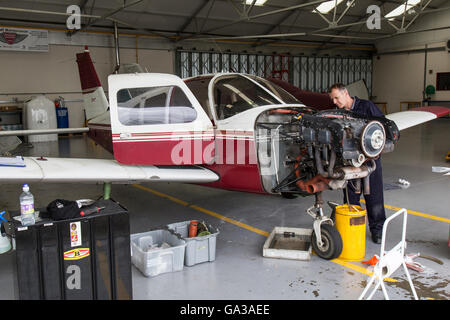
{"x": 331, "y": 242}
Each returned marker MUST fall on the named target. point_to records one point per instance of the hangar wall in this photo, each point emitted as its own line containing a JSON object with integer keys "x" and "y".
{"x": 399, "y": 68}
{"x": 400, "y": 77}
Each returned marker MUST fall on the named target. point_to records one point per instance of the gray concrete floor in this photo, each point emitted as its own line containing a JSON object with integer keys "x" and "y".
{"x": 240, "y": 271}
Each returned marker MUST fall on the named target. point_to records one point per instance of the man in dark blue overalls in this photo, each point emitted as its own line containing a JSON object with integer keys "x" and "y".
{"x": 374, "y": 201}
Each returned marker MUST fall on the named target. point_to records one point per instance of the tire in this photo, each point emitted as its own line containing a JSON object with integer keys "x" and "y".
{"x": 331, "y": 240}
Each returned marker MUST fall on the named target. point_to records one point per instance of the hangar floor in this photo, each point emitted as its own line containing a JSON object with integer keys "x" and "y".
{"x": 244, "y": 220}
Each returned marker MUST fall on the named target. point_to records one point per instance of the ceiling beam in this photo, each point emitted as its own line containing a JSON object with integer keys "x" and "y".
{"x": 268, "y": 13}
{"x": 272, "y": 28}
{"x": 82, "y": 15}
{"x": 363, "y": 21}
{"x": 422, "y": 8}
{"x": 400, "y": 2}
{"x": 310, "y": 31}
{"x": 105, "y": 16}
{"x": 339, "y": 33}
{"x": 273, "y": 5}
{"x": 317, "y": 32}
{"x": 193, "y": 16}
{"x": 83, "y": 4}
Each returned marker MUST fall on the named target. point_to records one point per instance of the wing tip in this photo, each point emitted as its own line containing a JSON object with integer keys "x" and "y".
{"x": 439, "y": 111}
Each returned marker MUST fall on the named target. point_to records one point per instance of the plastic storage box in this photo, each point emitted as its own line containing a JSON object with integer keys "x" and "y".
{"x": 198, "y": 249}
{"x": 152, "y": 262}
{"x": 288, "y": 243}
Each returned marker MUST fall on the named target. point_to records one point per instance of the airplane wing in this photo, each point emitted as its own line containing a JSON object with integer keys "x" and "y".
{"x": 415, "y": 116}
{"x": 29, "y": 132}
{"x": 60, "y": 170}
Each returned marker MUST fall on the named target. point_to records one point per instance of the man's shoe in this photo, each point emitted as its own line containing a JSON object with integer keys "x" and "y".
{"x": 376, "y": 238}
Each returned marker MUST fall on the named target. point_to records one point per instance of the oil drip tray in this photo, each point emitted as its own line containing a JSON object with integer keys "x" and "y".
{"x": 288, "y": 243}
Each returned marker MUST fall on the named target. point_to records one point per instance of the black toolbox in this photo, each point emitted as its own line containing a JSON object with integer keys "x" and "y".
{"x": 84, "y": 258}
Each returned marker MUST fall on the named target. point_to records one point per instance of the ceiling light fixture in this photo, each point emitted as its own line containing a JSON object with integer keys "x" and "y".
{"x": 401, "y": 8}
{"x": 257, "y": 3}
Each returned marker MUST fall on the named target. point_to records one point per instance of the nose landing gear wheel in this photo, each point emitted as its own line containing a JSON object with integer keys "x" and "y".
{"x": 331, "y": 242}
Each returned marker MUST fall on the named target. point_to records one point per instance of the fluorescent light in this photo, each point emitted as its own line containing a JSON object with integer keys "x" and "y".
{"x": 327, "y": 6}
{"x": 257, "y": 3}
{"x": 401, "y": 8}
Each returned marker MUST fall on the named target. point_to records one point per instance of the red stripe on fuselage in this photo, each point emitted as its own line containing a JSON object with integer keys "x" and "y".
{"x": 233, "y": 174}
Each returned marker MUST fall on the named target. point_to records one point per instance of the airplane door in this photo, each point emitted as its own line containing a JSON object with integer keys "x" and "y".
{"x": 156, "y": 120}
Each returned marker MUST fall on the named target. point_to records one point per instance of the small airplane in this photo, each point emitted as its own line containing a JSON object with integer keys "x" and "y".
{"x": 228, "y": 130}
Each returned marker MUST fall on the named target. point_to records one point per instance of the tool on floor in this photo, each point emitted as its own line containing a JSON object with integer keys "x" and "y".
{"x": 444, "y": 170}
{"x": 410, "y": 263}
{"x": 90, "y": 211}
{"x": 389, "y": 261}
{"x": 430, "y": 258}
{"x": 372, "y": 261}
{"x": 404, "y": 183}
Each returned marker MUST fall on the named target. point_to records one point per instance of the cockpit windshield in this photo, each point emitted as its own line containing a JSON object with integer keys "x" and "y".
{"x": 276, "y": 90}
{"x": 235, "y": 94}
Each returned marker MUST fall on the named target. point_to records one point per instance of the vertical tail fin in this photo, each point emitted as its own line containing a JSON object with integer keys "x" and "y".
{"x": 95, "y": 102}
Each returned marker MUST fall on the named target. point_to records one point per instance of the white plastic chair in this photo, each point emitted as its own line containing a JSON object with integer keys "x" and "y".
{"x": 389, "y": 261}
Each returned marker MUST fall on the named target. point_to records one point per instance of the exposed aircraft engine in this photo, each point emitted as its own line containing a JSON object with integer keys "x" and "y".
{"x": 305, "y": 151}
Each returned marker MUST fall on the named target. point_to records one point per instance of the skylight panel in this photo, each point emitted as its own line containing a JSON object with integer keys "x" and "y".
{"x": 401, "y": 8}
{"x": 327, "y": 6}
{"x": 257, "y": 3}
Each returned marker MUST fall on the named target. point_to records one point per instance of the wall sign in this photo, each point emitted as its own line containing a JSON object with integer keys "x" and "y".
{"x": 14, "y": 39}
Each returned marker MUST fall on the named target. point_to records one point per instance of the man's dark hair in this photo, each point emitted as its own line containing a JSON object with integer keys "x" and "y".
{"x": 339, "y": 86}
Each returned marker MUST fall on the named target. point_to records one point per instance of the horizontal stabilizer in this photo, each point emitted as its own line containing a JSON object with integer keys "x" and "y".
{"x": 72, "y": 170}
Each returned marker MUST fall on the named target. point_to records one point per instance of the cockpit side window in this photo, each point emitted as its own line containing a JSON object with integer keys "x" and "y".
{"x": 199, "y": 87}
{"x": 155, "y": 105}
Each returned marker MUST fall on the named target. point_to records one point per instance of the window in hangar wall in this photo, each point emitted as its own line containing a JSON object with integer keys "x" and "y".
{"x": 314, "y": 73}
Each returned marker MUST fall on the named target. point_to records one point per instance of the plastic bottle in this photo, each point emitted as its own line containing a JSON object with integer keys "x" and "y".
{"x": 193, "y": 229}
{"x": 27, "y": 206}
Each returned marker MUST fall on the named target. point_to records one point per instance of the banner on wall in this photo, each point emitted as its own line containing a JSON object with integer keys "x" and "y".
{"x": 23, "y": 40}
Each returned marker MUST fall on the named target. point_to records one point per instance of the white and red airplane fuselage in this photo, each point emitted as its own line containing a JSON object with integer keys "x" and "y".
{"x": 241, "y": 127}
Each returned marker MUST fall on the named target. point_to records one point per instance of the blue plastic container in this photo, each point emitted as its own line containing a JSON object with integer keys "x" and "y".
{"x": 62, "y": 117}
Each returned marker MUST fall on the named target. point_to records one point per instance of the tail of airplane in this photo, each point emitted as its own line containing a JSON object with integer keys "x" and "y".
{"x": 95, "y": 102}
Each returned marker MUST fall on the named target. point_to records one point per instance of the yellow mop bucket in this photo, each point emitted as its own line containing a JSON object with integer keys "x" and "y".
{"x": 351, "y": 224}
